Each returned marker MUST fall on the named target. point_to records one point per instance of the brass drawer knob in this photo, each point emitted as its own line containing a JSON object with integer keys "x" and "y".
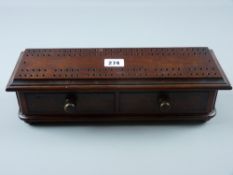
{"x": 164, "y": 105}
{"x": 70, "y": 105}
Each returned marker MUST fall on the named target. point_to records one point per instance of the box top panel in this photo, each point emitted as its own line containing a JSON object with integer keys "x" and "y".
{"x": 117, "y": 66}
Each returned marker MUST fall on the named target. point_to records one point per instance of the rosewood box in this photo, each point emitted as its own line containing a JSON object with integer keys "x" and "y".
{"x": 117, "y": 84}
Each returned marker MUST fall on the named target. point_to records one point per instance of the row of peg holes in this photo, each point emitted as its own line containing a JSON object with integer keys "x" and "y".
{"x": 123, "y": 74}
{"x": 136, "y": 54}
{"x": 121, "y": 69}
{"x": 137, "y": 74}
{"x": 133, "y": 69}
{"x": 91, "y": 52}
{"x": 34, "y": 70}
{"x": 31, "y": 72}
{"x": 114, "y": 49}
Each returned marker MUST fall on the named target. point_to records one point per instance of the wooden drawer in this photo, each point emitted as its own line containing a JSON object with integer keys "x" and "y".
{"x": 150, "y": 102}
{"x": 85, "y": 103}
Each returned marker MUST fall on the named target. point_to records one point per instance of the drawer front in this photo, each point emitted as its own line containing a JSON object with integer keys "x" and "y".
{"x": 85, "y": 103}
{"x": 177, "y": 102}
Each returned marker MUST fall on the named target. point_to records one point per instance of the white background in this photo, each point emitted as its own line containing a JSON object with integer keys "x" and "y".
{"x": 115, "y": 150}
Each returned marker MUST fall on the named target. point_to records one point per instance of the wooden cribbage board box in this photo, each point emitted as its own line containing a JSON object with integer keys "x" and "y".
{"x": 117, "y": 84}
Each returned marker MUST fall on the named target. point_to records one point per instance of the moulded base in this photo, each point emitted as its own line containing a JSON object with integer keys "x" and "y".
{"x": 33, "y": 119}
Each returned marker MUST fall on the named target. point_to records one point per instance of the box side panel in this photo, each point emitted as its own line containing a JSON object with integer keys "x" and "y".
{"x": 23, "y": 103}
